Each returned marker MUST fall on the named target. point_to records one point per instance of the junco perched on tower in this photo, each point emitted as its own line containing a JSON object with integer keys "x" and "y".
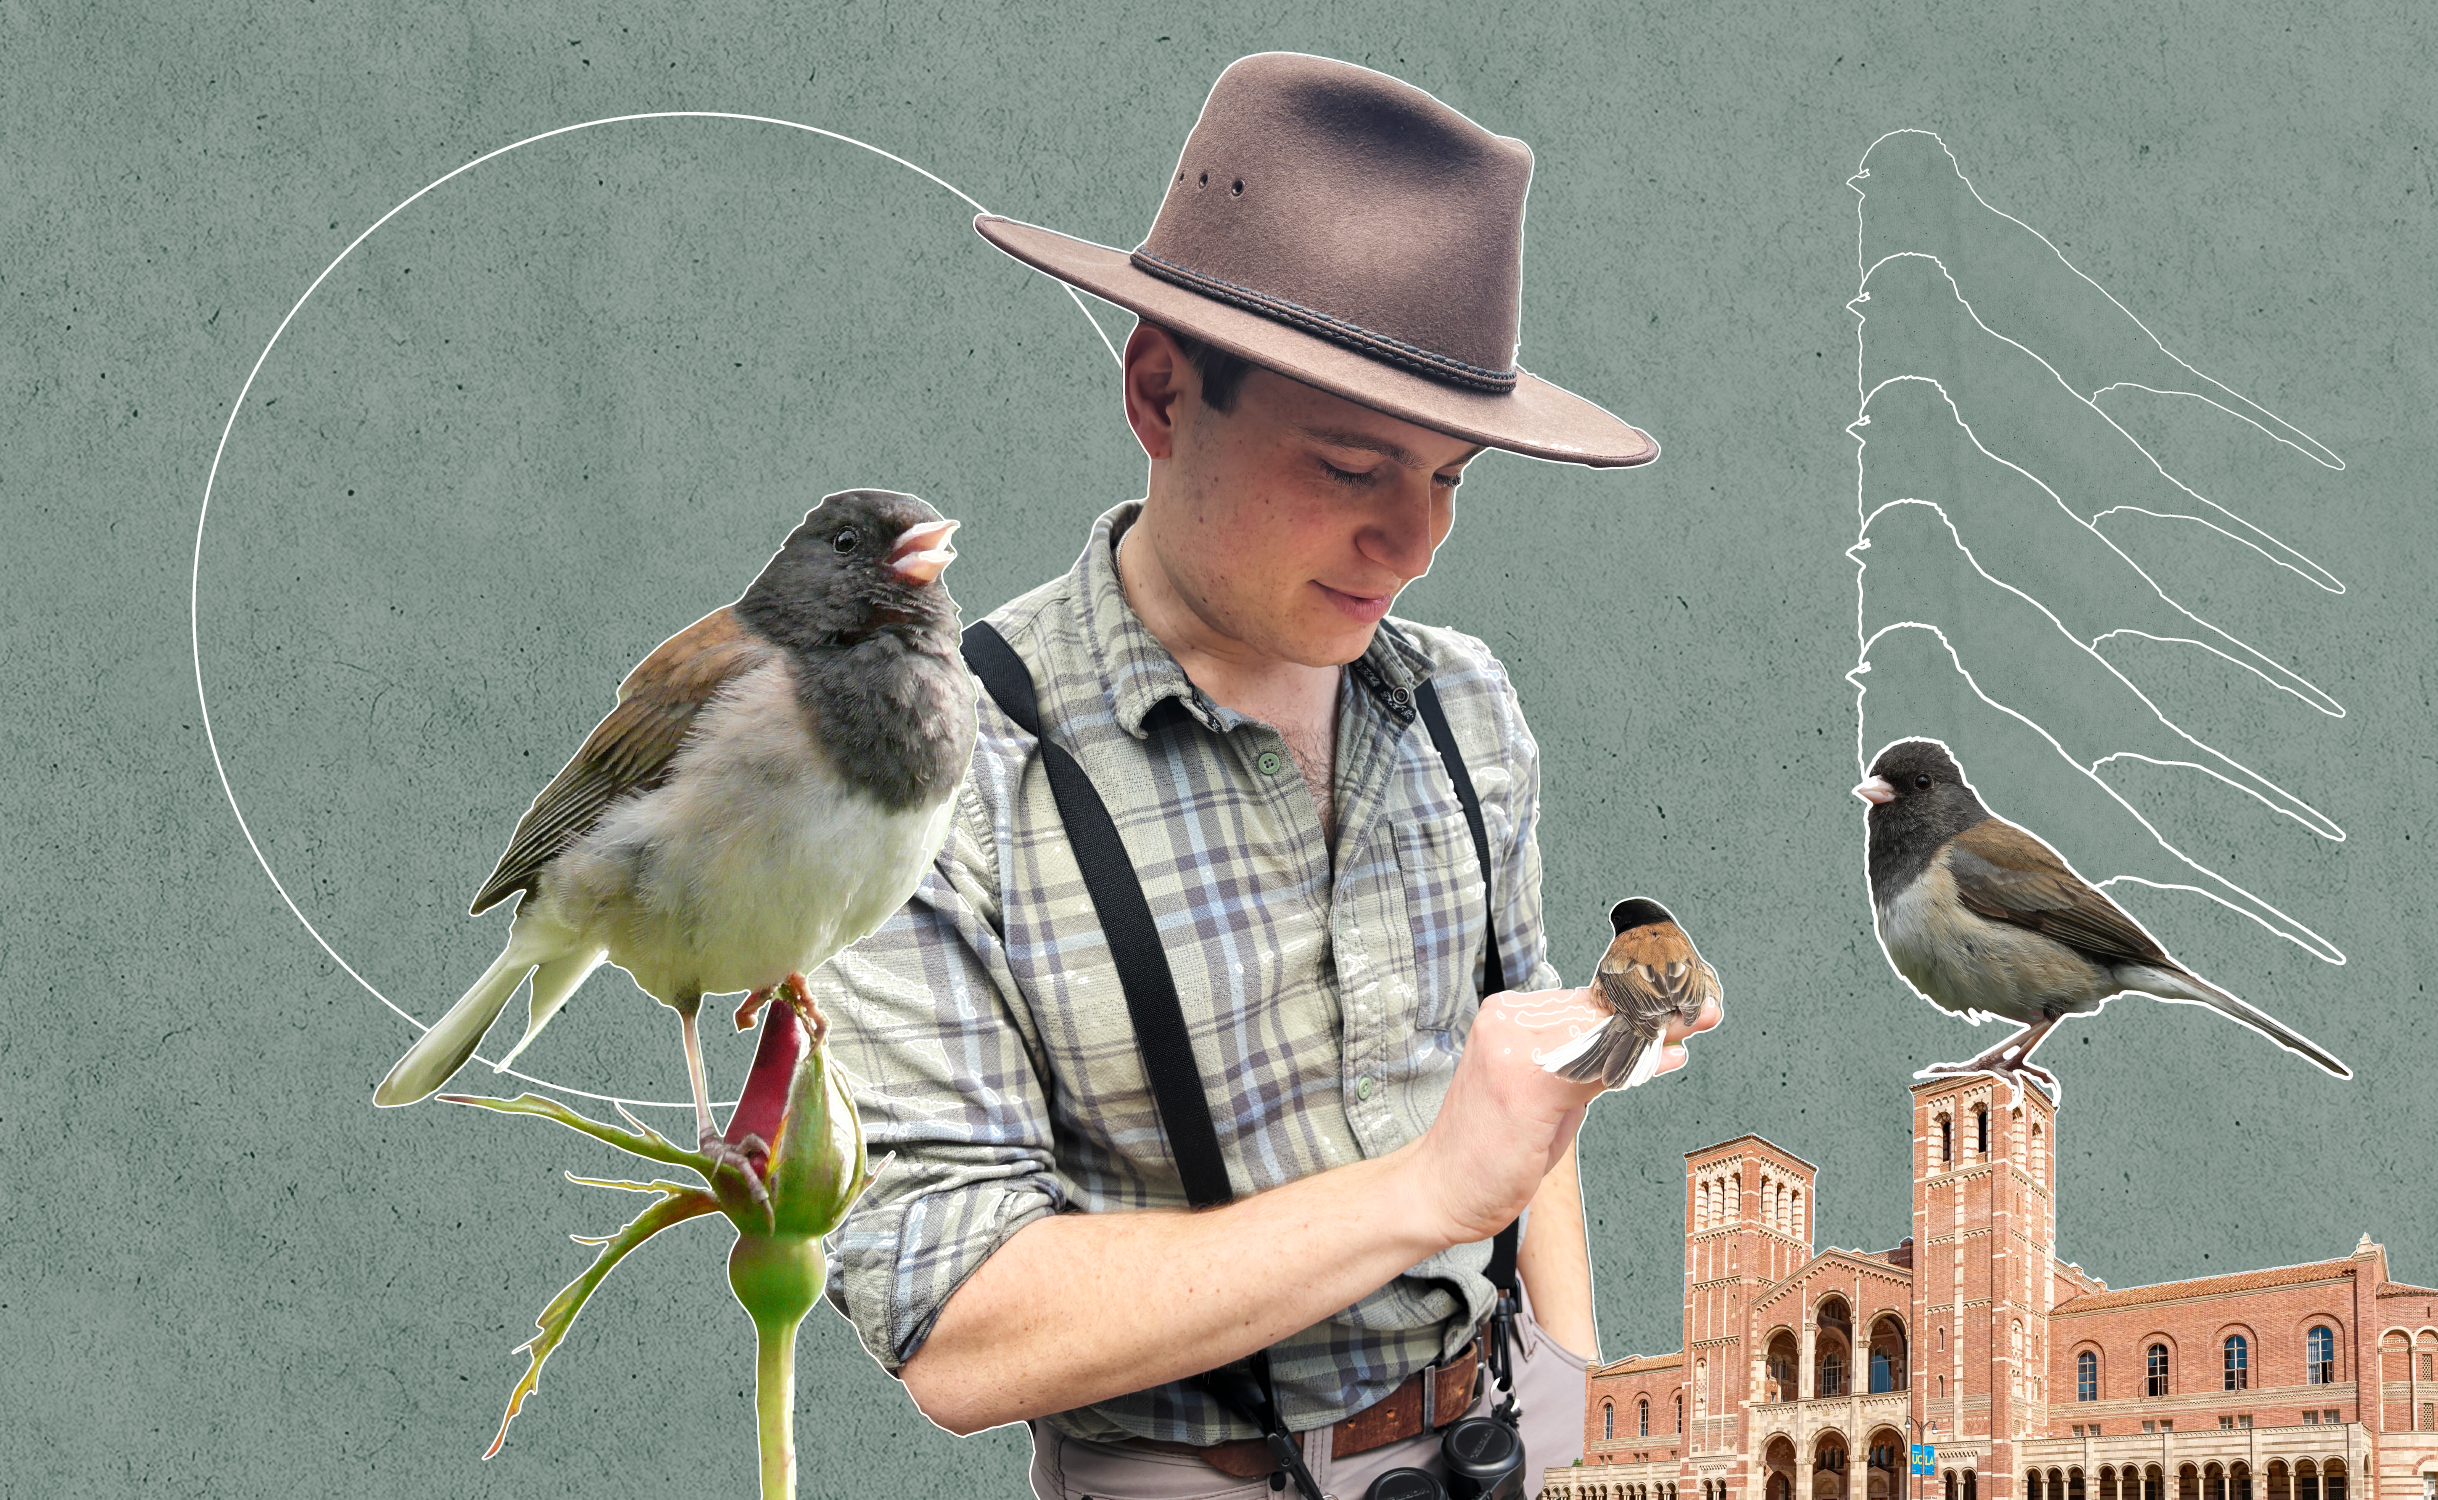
{"x": 1984, "y": 919}
{"x": 770, "y": 788}
{"x": 1649, "y": 976}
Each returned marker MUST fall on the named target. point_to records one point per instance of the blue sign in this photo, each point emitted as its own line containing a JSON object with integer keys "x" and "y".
{"x": 1925, "y": 1458}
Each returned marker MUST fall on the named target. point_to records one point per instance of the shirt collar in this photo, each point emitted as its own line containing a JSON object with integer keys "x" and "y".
{"x": 1140, "y": 674}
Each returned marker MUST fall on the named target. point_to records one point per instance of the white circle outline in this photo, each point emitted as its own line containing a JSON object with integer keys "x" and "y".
{"x": 194, "y": 618}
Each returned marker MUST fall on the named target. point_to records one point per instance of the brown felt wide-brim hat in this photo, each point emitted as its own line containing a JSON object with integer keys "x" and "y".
{"x": 1351, "y": 232}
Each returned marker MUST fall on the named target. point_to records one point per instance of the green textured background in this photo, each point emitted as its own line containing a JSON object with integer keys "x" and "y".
{"x": 569, "y": 401}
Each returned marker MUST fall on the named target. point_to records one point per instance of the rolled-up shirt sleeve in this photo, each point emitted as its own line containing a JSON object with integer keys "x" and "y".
{"x": 949, "y": 1077}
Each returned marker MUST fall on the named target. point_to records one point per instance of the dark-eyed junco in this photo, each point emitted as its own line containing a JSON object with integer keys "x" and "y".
{"x": 1649, "y": 976}
{"x": 1984, "y": 919}
{"x": 770, "y": 787}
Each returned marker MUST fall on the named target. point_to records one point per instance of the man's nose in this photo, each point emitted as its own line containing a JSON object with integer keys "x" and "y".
{"x": 1399, "y": 536}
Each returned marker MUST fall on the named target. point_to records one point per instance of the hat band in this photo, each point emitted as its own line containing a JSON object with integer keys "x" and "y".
{"x": 1337, "y": 330}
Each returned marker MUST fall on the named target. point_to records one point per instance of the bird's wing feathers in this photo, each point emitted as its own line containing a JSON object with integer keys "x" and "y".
{"x": 2007, "y": 875}
{"x": 1648, "y": 977}
{"x": 629, "y": 751}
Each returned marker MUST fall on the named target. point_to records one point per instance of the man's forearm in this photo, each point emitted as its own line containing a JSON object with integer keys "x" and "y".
{"x": 1079, "y": 1308}
{"x": 1554, "y": 1261}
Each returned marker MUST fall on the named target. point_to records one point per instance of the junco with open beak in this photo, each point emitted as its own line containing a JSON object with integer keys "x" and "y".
{"x": 771, "y": 786}
{"x": 1649, "y": 977}
{"x": 1984, "y": 919}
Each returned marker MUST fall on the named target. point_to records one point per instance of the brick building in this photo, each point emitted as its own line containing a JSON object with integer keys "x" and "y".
{"x": 1807, "y": 1375}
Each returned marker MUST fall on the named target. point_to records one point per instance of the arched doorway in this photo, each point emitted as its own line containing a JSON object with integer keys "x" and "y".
{"x": 1778, "y": 1469}
{"x": 1829, "y": 1468}
{"x": 1832, "y": 1347}
{"x": 1884, "y": 1465}
{"x": 1889, "y": 1366}
{"x": 1779, "y": 1371}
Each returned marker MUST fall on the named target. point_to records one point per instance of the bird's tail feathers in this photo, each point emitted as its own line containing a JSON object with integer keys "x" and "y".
{"x": 2183, "y": 984}
{"x": 1610, "y": 1053}
{"x": 441, "y": 1051}
{"x": 553, "y": 982}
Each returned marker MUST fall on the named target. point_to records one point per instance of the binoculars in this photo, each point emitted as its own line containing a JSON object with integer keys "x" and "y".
{"x": 1485, "y": 1461}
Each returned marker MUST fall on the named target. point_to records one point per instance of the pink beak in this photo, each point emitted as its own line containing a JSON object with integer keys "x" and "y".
{"x": 1876, "y": 791}
{"x": 920, "y": 553}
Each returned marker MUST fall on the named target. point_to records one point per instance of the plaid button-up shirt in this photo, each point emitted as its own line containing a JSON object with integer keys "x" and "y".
{"x": 1327, "y": 997}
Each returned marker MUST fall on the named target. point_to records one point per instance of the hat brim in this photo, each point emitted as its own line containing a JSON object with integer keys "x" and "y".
{"x": 1536, "y": 419}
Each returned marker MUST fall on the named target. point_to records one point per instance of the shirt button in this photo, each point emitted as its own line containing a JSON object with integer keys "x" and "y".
{"x": 1268, "y": 763}
{"x": 1363, "y": 1087}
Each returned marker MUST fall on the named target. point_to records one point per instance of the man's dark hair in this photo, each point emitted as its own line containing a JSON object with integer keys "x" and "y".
{"x": 1222, "y": 373}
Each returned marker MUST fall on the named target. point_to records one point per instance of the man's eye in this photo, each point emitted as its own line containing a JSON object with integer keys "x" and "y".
{"x": 1447, "y": 481}
{"x": 1348, "y": 477}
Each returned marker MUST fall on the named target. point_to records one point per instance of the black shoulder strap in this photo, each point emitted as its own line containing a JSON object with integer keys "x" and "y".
{"x": 1134, "y": 943}
{"x": 1125, "y": 918}
{"x": 1426, "y": 698}
{"x": 1501, "y": 1270}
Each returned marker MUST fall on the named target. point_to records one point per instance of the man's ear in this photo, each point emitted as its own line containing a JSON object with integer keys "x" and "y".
{"x": 1161, "y": 388}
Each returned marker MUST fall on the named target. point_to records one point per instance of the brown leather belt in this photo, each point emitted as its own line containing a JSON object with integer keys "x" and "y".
{"x": 1429, "y": 1400}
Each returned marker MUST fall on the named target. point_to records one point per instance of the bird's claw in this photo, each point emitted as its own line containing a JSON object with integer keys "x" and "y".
{"x": 751, "y": 1010}
{"x": 737, "y": 1170}
{"x": 800, "y": 995}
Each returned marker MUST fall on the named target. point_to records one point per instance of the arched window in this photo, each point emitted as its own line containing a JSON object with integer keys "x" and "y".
{"x": 2040, "y": 1157}
{"x": 2319, "y": 1355}
{"x": 2238, "y": 1362}
{"x": 1798, "y": 1229}
{"x": 1643, "y": 1413}
{"x": 1680, "y": 1413}
{"x": 1608, "y": 1419}
{"x": 2086, "y": 1376}
{"x": 1947, "y": 1154}
{"x": 2156, "y": 1383}
{"x": 1701, "y": 1205}
{"x": 1980, "y": 1125}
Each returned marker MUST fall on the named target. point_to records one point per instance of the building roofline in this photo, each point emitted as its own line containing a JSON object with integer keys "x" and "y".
{"x": 1749, "y": 1136}
{"x": 2222, "y": 1284}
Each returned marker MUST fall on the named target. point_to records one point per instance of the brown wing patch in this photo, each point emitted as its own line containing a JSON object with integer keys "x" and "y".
{"x": 2007, "y": 875}
{"x": 630, "y": 750}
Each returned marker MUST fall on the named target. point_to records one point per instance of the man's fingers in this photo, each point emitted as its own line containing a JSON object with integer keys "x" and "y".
{"x": 1670, "y": 1059}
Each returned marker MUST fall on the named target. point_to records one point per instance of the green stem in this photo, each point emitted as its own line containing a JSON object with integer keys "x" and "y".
{"x": 774, "y": 1404}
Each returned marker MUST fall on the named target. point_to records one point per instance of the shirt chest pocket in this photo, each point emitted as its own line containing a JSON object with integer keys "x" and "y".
{"x": 1439, "y": 879}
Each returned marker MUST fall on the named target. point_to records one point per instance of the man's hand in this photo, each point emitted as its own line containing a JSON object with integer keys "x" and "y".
{"x": 1506, "y": 1120}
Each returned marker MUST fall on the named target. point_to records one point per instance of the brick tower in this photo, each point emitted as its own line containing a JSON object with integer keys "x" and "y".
{"x": 1984, "y": 1228}
{"x": 1749, "y": 1208}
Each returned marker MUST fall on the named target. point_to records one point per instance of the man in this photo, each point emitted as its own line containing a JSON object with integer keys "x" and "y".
{"x": 1329, "y": 298}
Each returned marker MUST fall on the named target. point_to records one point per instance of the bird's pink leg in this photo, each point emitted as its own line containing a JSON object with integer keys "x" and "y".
{"x": 2009, "y": 1059}
{"x": 707, "y": 1137}
{"x": 694, "y": 1071}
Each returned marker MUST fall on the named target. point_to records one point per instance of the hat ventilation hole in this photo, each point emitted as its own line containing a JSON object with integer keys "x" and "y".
{"x": 1238, "y": 189}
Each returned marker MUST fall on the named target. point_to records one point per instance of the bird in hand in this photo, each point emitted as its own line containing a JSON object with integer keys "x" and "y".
{"x": 1649, "y": 977}
{"x": 1984, "y": 919}
{"x": 771, "y": 786}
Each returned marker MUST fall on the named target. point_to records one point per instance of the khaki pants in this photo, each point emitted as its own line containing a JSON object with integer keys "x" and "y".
{"x": 1550, "y": 1386}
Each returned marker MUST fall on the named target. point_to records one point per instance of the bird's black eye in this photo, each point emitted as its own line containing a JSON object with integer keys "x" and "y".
{"x": 1921, "y": 783}
{"x": 844, "y": 541}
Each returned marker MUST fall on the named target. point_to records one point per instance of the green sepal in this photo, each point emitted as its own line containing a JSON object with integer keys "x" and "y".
{"x": 642, "y": 1141}
{"x": 678, "y": 1203}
